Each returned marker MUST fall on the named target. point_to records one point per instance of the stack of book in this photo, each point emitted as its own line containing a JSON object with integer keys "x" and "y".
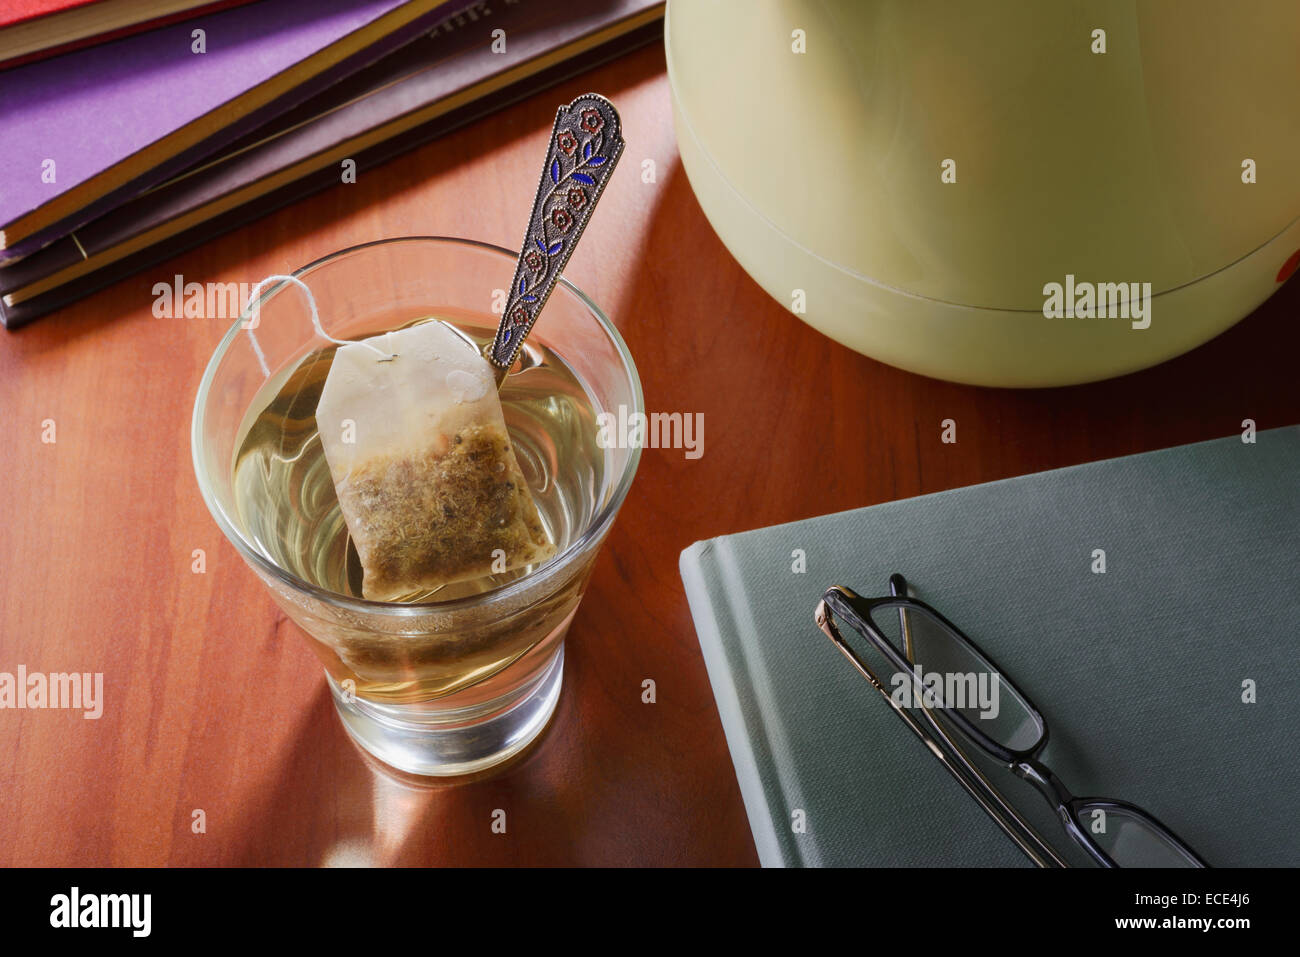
{"x": 134, "y": 130}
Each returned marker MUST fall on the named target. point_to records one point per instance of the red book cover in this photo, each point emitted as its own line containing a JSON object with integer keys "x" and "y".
{"x": 16, "y": 11}
{"x": 36, "y": 29}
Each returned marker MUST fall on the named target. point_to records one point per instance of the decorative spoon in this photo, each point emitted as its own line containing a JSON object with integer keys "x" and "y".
{"x": 585, "y": 146}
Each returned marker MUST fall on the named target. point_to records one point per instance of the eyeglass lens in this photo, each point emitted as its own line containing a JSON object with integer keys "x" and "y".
{"x": 955, "y": 676}
{"x": 1130, "y": 839}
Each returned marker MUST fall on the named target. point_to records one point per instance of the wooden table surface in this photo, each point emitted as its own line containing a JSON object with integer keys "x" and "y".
{"x": 214, "y": 701}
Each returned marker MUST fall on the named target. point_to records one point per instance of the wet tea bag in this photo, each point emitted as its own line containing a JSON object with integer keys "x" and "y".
{"x": 422, "y": 463}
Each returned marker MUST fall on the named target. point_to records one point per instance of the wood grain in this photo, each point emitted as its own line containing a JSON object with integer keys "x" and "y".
{"x": 214, "y": 701}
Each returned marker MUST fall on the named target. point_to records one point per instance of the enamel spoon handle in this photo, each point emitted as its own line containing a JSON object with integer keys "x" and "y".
{"x": 584, "y": 149}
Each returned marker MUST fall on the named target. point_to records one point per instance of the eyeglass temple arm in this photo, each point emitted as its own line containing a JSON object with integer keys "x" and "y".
{"x": 827, "y": 626}
{"x": 898, "y": 588}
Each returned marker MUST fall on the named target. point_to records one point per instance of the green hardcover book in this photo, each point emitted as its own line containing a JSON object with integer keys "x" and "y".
{"x": 1168, "y": 679}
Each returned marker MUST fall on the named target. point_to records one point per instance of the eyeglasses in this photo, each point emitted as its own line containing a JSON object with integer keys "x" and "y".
{"x": 941, "y": 673}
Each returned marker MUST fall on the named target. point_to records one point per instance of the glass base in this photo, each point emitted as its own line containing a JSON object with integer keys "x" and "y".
{"x": 462, "y": 741}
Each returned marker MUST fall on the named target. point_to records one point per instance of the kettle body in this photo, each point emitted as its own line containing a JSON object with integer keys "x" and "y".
{"x": 1008, "y": 193}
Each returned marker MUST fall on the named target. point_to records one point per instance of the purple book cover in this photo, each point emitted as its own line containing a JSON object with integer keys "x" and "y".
{"x": 90, "y": 110}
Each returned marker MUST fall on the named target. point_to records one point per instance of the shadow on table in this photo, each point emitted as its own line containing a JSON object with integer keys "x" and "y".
{"x": 334, "y": 805}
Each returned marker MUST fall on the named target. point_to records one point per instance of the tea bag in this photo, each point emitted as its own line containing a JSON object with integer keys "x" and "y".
{"x": 422, "y": 463}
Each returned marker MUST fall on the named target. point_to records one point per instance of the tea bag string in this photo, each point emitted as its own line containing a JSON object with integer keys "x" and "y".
{"x": 315, "y": 321}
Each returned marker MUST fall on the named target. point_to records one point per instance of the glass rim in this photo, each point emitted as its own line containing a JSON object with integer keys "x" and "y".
{"x": 593, "y": 531}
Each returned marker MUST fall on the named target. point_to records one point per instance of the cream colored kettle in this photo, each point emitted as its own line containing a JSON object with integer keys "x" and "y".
{"x": 1003, "y": 192}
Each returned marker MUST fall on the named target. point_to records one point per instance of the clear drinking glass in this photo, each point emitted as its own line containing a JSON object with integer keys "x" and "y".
{"x": 435, "y": 687}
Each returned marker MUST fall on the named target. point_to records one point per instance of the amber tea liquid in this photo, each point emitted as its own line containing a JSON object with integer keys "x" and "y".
{"x": 287, "y": 506}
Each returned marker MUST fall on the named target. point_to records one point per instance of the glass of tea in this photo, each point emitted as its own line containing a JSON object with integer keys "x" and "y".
{"x": 458, "y": 679}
